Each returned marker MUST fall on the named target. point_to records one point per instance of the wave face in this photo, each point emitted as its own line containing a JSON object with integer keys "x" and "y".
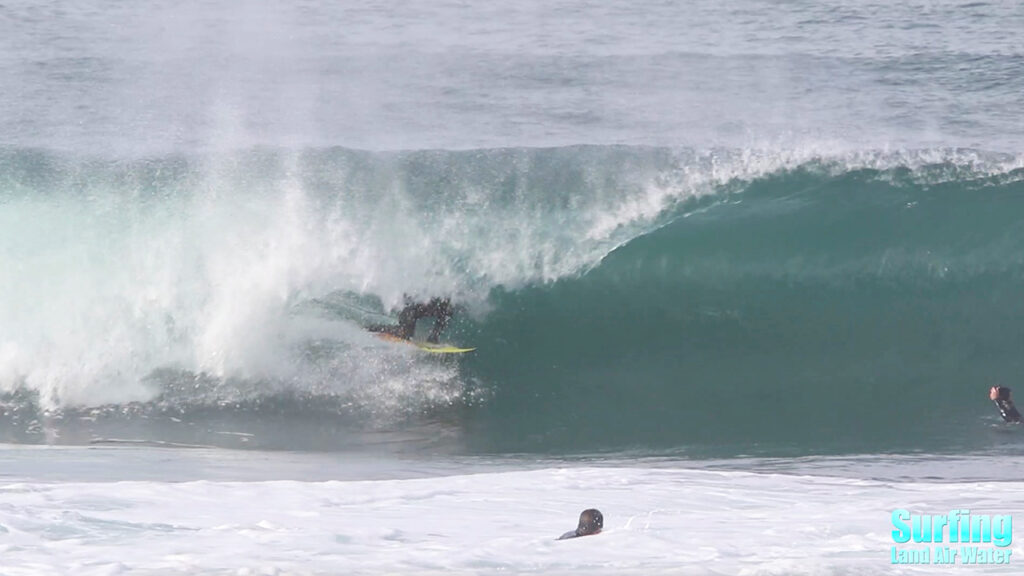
{"x": 853, "y": 310}
{"x": 621, "y": 297}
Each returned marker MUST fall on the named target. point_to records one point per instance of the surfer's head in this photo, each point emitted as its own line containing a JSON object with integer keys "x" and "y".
{"x": 591, "y": 522}
{"x": 999, "y": 393}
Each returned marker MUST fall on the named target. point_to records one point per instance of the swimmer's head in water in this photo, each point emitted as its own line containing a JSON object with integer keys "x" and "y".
{"x": 591, "y": 522}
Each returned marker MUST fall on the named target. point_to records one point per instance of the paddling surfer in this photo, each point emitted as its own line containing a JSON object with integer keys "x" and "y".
{"x": 591, "y": 522}
{"x": 1001, "y": 396}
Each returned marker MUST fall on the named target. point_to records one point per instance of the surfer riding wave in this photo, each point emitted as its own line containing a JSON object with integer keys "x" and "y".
{"x": 438, "y": 308}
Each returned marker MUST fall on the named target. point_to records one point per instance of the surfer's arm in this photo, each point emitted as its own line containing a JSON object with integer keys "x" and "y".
{"x": 440, "y": 323}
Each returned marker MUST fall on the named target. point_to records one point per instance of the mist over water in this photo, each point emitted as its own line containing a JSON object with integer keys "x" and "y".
{"x": 711, "y": 229}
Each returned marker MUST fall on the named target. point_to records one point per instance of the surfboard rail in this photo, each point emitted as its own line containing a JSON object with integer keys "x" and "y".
{"x": 438, "y": 348}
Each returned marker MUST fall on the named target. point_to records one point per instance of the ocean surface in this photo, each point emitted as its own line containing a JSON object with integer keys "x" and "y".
{"x": 739, "y": 274}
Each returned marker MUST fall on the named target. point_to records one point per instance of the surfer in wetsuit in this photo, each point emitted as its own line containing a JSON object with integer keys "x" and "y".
{"x": 438, "y": 308}
{"x": 1001, "y": 396}
{"x": 591, "y": 522}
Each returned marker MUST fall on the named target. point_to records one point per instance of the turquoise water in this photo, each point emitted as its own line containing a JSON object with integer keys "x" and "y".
{"x": 864, "y": 310}
{"x": 768, "y": 229}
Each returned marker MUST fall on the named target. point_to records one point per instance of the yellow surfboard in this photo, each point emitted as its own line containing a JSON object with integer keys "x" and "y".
{"x": 427, "y": 346}
{"x": 441, "y": 348}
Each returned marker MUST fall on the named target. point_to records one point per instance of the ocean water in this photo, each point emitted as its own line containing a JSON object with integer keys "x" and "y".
{"x": 738, "y": 274}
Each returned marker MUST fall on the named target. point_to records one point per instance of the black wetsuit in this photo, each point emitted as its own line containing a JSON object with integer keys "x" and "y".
{"x": 1006, "y": 408}
{"x": 438, "y": 308}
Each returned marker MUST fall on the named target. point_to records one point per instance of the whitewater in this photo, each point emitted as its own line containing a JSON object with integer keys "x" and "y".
{"x": 248, "y": 514}
{"x": 739, "y": 276}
